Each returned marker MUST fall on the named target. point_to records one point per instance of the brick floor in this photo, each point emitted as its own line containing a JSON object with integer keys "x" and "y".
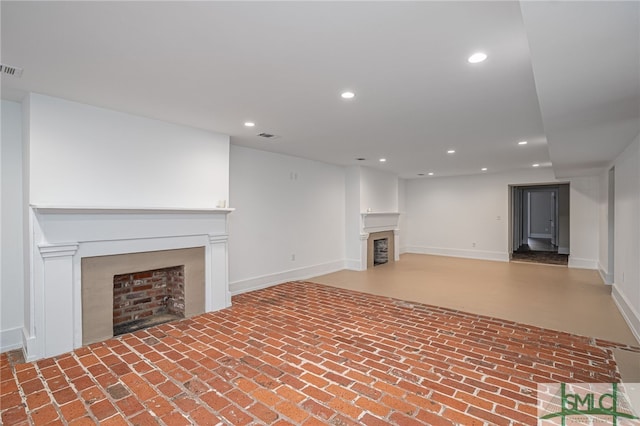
{"x": 307, "y": 354}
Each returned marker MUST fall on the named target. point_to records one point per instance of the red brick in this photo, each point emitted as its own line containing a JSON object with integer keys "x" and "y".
{"x": 45, "y": 414}
{"x": 129, "y": 406}
{"x": 160, "y": 406}
{"x": 176, "y": 419}
{"x": 316, "y": 393}
{"x": 214, "y": 400}
{"x": 462, "y": 419}
{"x": 37, "y": 399}
{"x": 397, "y": 404}
{"x": 267, "y": 397}
{"x": 263, "y": 413}
{"x": 370, "y": 420}
{"x": 291, "y": 411}
{"x": 73, "y": 410}
{"x": 372, "y": 406}
{"x": 13, "y": 416}
{"x": 102, "y": 409}
{"x": 144, "y": 419}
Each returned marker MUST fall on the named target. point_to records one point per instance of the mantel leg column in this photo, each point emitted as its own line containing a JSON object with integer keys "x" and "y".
{"x": 53, "y": 329}
{"x": 217, "y": 292}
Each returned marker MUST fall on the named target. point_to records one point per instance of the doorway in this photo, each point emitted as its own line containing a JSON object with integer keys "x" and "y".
{"x": 540, "y": 223}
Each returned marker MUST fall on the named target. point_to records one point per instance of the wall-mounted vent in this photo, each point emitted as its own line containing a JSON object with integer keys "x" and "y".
{"x": 13, "y": 71}
{"x": 267, "y": 135}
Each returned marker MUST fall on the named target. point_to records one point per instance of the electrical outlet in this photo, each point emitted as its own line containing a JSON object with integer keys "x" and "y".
{"x": 498, "y": 217}
{"x": 293, "y": 257}
{"x": 473, "y": 244}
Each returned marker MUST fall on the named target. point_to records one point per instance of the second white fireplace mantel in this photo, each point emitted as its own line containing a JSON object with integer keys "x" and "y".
{"x": 371, "y": 222}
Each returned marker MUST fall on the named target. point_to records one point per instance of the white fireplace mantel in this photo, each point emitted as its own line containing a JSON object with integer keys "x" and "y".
{"x": 61, "y": 236}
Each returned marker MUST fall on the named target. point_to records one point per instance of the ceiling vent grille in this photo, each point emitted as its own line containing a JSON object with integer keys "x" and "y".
{"x": 9, "y": 70}
{"x": 267, "y": 135}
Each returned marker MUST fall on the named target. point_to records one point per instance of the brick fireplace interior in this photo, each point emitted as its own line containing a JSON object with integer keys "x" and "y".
{"x": 380, "y": 251}
{"x": 146, "y": 298}
{"x": 380, "y": 248}
{"x": 126, "y": 292}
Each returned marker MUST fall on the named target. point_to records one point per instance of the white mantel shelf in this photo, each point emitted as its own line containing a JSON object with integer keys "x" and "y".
{"x": 49, "y": 209}
{"x": 379, "y": 213}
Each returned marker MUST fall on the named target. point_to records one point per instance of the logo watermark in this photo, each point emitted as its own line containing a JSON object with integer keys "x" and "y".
{"x": 616, "y": 404}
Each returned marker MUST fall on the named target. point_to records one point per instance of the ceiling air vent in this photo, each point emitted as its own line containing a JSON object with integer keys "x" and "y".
{"x": 267, "y": 135}
{"x": 13, "y": 71}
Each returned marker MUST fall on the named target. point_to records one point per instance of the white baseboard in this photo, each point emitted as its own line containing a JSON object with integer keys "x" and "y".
{"x": 563, "y": 250}
{"x": 404, "y": 250}
{"x": 578, "y": 263}
{"x": 539, "y": 235}
{"x": 628, "y": 312}
{"x": 29, "y": 346}
{"x": 352, "y": 264}
{"x": 10, "y": 339}
{"x": 467, "y": 254}
{"x": 269, "y": 280}
{"x": 606, "y": 277}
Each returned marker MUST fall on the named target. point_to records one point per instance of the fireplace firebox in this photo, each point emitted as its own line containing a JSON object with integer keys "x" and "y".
{"x": 147, "y": 298}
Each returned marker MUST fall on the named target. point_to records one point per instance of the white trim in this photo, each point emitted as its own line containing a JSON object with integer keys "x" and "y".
{"x": 563, "y": 250}
{"x": 404, "y": 250}
{"x": 10, "y": 339}
{"x": 467, "y": 254}
{"x": 532, "y": 235}
{"x": 606, "y": 277}
{"x": 627, "y": 311}
{"x": 28, "y": 346}
{"x": 269, "y": 280}
{"x": 578, "y": 263}
{"x": 51, "y": 209}
{"x": 352, "y": 264}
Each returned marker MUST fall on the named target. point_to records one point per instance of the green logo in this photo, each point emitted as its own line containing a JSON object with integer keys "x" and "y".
{"x": 584, "y": 403}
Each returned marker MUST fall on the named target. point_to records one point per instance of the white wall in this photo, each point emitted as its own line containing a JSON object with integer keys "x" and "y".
{"x": 352, "y": 217}
{"x": 284, "y": 206}
{"x": 626, "y": 287}
{"x": 447, "y": 215}
{"x": 11, "y": 227}
{"x": 378, "y": 190}
{"x": 584, "y": 211}
{"x": 564, "y": 219}
{"x": 81, "y": 155}
{"x": 402, "y": 208}
{"x": 603, "y": 223}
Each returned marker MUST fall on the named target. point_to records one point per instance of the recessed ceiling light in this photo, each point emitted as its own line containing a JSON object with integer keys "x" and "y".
{"x": 522, "y": 143}
{"x": 249, "y": 124}
{"x": 420, "y": 174}
{"x": 382, "y": 160}
{"x": 430, "y": 173}
{"x": 360, "y": 158}
{"x": 348, "y": 95}
{"x": 451, "y": 151}
{"x": 536, "y": 165}
{"x": 484, "y": 169}
{"x": 477, "y": 57}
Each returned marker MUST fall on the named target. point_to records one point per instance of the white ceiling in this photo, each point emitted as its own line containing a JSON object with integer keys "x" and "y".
{"x": 563, "y": 76}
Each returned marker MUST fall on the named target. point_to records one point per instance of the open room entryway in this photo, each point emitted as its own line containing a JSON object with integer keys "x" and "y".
{"x": 539, "y": 231}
